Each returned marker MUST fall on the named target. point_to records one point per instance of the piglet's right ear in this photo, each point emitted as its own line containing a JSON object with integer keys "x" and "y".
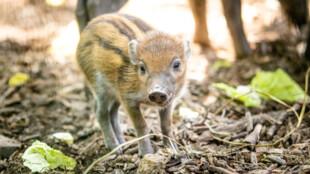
{"x": 132, "y": 50}
{"x": 187, "y": 49}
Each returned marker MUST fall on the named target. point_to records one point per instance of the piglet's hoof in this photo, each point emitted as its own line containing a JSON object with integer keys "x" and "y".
{"x": 112, "y": 145}
{"x": 169, "y": 144}
{"x": 145, "y": 150}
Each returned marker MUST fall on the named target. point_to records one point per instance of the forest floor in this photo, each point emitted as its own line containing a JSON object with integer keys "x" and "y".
{"x": 53, "y": 100}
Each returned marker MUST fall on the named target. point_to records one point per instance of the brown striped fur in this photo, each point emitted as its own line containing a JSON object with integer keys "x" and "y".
{"x": 115, "y": 76}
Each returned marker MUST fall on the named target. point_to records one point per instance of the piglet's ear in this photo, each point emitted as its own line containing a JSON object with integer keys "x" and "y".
{"x": 187, "y": 49}
{"x": 132, "y": 50}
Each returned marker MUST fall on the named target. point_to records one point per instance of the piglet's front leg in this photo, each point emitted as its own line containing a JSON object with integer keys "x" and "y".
{"x": 165, "y": 124}
{"x": 139, "y": 123}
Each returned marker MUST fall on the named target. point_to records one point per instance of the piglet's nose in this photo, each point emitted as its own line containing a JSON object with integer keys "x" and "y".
{"x": 158, "y": 97}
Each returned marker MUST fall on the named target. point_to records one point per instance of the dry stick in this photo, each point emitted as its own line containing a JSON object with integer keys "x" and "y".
{"x": 8, "y": 92}
{"x": 129, "y": 142}
{"x": 226, "y": 134}
{"x": 174, "y": 150}
{"x": 220, "y": 170}
{"x": 249, "y": 119}
{"x": 280, "y": 101}
{"x": 272, "y": 130}
{"x": 253, "y": 137}
{"x": 229, "y": 101}
{"x": 229, "y": 142}
{"x": 89, "y": 144}
{"x": 299, "y": 117}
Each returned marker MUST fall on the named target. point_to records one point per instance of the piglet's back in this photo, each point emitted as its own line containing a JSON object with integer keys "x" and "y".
{"x": 104, "y": 42}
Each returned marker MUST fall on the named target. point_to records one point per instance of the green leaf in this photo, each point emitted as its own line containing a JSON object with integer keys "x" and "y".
{"x": 278, "y": 84}
{"x": 250, "y": 100}
{"x": 221, "y": 63}
{"x": 39, "y": 157}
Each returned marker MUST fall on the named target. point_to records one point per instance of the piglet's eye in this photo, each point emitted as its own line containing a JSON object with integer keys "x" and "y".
{"x": 177, "y": 65}
{"x": 142, "y": 69}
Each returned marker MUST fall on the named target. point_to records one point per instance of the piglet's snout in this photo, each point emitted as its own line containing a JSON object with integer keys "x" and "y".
{"x": 158, "y": 97}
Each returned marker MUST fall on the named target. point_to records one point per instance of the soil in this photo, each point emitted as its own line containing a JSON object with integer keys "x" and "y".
{"x": 54, "y": 100}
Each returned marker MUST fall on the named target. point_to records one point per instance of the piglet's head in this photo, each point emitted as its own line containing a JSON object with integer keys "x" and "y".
{"x": 161, "y": 65}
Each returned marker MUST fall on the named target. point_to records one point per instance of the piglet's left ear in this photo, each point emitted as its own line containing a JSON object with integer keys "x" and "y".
{"x": 132, "y": 50}
{"x": 187, "y": 49}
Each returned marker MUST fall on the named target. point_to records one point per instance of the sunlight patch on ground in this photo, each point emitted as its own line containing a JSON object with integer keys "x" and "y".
{"x": 64, "y": 45}
{"x": 272, "y": 4}
{"x": 249, "y": 13}
{"x": 196, "y": 69}
{"x": 54, "y": 3}
{"x": 173, "y": 17}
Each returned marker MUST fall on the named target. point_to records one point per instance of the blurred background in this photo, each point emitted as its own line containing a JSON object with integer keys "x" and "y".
{"x": 39, "y": 38}
{"x": 50, "y": 25}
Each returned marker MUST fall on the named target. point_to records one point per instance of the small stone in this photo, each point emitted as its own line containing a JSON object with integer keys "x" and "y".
{"x": 120, "y": 165}
{"x": 8, "y": 146}
{"x": 41, "y": 100}
{"x": 110, "y": 169}
{"x": 82, "y": 134}
{"x": 130, "y": 166}
{"x": 118, "y": 171}
{"x": 188, "y": 161}
{"x": 152, "y": 164}
{"x": 132, "y": 172}
{"x": 173, "y": 169}
{"x": 111, "y": 157}
{"x": 259, "y": 171}
{"x": 276, "y": 159}
{"x": 296, "y": 152}
{"x": 3, "y": 165}
{"x": 305, "y": 168}
{"x": 100, "y": 168}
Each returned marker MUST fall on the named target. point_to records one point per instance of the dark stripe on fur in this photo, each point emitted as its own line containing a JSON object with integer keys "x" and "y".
{"x": 82, "y": 47}
{"x": 120, "y": 29}
{"x": 130, "y": 31}
{"x": 138, "y": 22}
{"x": 128, "y": 34}
{"x": 118, "y": 51}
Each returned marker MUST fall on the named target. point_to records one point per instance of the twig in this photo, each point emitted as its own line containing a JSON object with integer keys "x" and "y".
{"x": 269, "y": 119}
{"x": 220, "y": 170}
{"x": 253, "y": 158}
{"x": 129, "y": 142}
{"x": 248, "y": 117}
{"x": 175, "y": 151}
{"x": 254, "y": 136}
{"x": 229, "y": 101}
{"x": 8, "y": 92}
{"x": 272, "y": 167}
{"x": 272, "y": 130}
{"x": 279, "y": 101}
{"x": 89, "y": 144}
{"x": 230, "y": 142}
{"x": 226, "y": 134}
{"x": 276, "y": 159}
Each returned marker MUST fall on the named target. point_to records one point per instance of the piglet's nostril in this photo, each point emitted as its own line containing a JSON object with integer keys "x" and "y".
{"x": 152, "y": 98}
{"x": 163, "y": 97}
{"x": 158, "y": 97}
